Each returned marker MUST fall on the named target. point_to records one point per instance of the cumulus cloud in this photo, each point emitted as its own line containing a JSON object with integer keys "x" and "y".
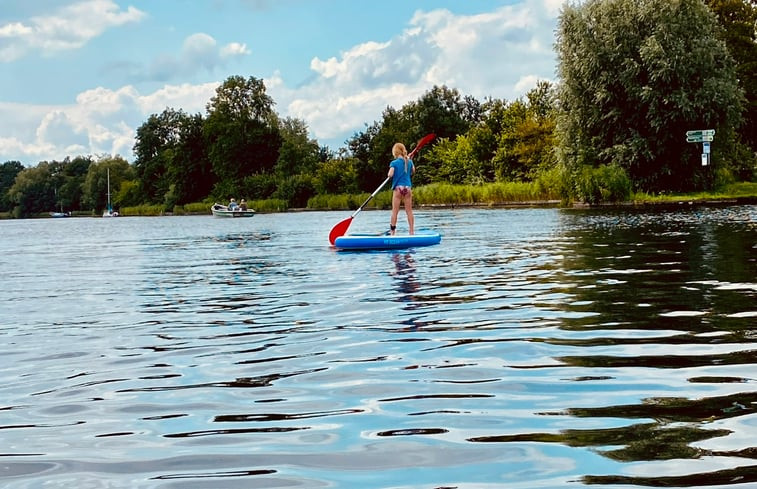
{"x": 101, "y": 121}
{"x": 501, "y": 54}
{"x": 69, "y": 27}
{"x": 199, "y": 52}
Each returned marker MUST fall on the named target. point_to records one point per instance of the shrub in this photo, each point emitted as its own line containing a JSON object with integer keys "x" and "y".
{"x": 268, "y": 205}
{"x": 142, "y": 210}
{"x": 296, "y": 190}
{"x": 606, "y": 183}
{"x": 197, "y": 208}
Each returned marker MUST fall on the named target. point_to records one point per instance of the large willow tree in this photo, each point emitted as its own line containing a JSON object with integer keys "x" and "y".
{"x": 635, "y": 75}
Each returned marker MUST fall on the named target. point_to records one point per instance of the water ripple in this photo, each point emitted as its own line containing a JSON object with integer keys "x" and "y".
{"x": 533, "y": 348}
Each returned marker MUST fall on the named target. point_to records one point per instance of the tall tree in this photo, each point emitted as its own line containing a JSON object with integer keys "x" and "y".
{"x": 635, "y": 74}
{"x": 241, "y": 130}
{"x": 156, "y": 143}
{"x": 298, "y": 153}
{"x": 443, "y": 111}
{"x": 33, "y": 191}
{"x": 71, "y": 178}
{"x": 739, "y": 20}
{"x": 8, "y": 172}
{"x": 95, "y": 187}
{"x": 190, "y": 172}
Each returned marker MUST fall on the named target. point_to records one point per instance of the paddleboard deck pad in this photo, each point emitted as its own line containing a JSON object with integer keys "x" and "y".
{"x": 387, "y": 242}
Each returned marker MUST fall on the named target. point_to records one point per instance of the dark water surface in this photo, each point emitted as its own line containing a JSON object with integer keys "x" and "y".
{"x": 532, "y": 348}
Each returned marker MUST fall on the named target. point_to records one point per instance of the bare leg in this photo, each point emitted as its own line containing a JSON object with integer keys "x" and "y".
{"x": 409, "y": 211}
{"x": 395, "y": 210}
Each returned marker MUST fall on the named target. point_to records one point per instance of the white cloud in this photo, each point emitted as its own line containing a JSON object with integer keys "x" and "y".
{"x": 198, "y": 52}
{"x": 501, "y": 54}
{"x": 102, "y": 121}
{"x": 69, "y": 27}
{"x": 234, "y": 49}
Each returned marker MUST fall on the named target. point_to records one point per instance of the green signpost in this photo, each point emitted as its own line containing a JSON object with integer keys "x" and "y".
{"x": 704, "y": 136}
{"x": 700, "y": 136}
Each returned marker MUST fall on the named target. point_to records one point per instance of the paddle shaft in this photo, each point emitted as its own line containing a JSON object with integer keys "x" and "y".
{"x": 369, "y": 198}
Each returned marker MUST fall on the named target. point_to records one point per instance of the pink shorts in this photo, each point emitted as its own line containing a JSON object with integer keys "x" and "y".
{"x": 403, "y": 190}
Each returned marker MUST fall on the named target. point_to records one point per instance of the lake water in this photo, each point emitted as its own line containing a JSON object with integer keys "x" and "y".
{"x": 532, "y": 348}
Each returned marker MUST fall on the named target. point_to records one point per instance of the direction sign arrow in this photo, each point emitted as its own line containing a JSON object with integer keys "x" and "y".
{"x": 701, "y": 132}
{"x": 694, "y": 139}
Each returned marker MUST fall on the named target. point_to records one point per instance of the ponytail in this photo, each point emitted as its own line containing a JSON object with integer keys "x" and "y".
{"x": 399, "y": 150}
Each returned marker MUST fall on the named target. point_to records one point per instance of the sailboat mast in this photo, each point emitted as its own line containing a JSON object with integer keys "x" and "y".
{"x": 109, "y": 208}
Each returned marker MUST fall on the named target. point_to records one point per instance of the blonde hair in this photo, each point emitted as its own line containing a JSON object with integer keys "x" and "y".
{"x": 399, "y": 150}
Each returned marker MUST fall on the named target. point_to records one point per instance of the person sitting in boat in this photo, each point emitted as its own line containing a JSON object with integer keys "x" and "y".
{"x": 233, "y": 206}
{"x": 243, "y": 205}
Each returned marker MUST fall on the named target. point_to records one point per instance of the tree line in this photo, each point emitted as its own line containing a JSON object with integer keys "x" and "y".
{"x": 633, "y": 77}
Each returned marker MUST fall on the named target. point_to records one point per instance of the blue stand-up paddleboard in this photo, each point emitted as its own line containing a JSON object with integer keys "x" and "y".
{"x": 387, "y": 242}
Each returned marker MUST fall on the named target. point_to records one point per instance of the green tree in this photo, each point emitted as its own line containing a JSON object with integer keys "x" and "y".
{"x": 8, "y": 172}
{"x": 361, "y": 146}
{"x": 95, "y": 187}
{"x": 457, "y": 162}
{"x": 337, "y": 176}
{"x": 33, "y": 191}
{"x": 190, "y": 172}
{"x": 635, "y": 74}
{"x": 485, "y": 137}
{"x": 155, "y": 145}
{"x": 296, "y": 190}
{"x": 68, "y": 181}
{"x": 241, "y": 130}
{"x": 528, "y": 145}
{"x": 298, "y": 153}
{"x": 441, "y": 110}
{"x": 739, "y": 20}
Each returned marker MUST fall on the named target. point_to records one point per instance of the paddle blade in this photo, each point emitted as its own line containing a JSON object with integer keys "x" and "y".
{"x": 339, "y": 229}
{"x": 424, "y": 141}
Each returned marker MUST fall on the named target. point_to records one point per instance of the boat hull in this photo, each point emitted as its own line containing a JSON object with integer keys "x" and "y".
{"x": 387, "y": 242}
{"x": 219, "y": 210}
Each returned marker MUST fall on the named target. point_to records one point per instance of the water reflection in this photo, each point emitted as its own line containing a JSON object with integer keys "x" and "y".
{"x": 405, "y": 275}
{"x": 658, "y": 295}
{"x": 533, "y": 348}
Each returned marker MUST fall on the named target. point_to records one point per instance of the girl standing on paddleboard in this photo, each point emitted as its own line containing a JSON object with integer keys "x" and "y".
{"x": 401, "y": 169}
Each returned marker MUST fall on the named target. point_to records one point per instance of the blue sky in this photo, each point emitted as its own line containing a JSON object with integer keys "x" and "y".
{"x": 78, "y": 77}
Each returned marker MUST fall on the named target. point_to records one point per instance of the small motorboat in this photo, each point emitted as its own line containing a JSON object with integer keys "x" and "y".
{"x": 220, "y": 210}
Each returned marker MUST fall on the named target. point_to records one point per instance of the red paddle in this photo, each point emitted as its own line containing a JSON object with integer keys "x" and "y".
{"x": 342, "y": 226}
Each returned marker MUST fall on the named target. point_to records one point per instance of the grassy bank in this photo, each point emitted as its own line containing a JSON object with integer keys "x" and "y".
{"x": 442, "y": 194}
{"x": 734, "y": 191}
{"x": 438, "y": 194}
{"x": 516, "y": 193}
{"x": 199, "y": 208}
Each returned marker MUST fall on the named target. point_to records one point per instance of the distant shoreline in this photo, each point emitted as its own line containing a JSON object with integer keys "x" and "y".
{"x": 674, "y": 202}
